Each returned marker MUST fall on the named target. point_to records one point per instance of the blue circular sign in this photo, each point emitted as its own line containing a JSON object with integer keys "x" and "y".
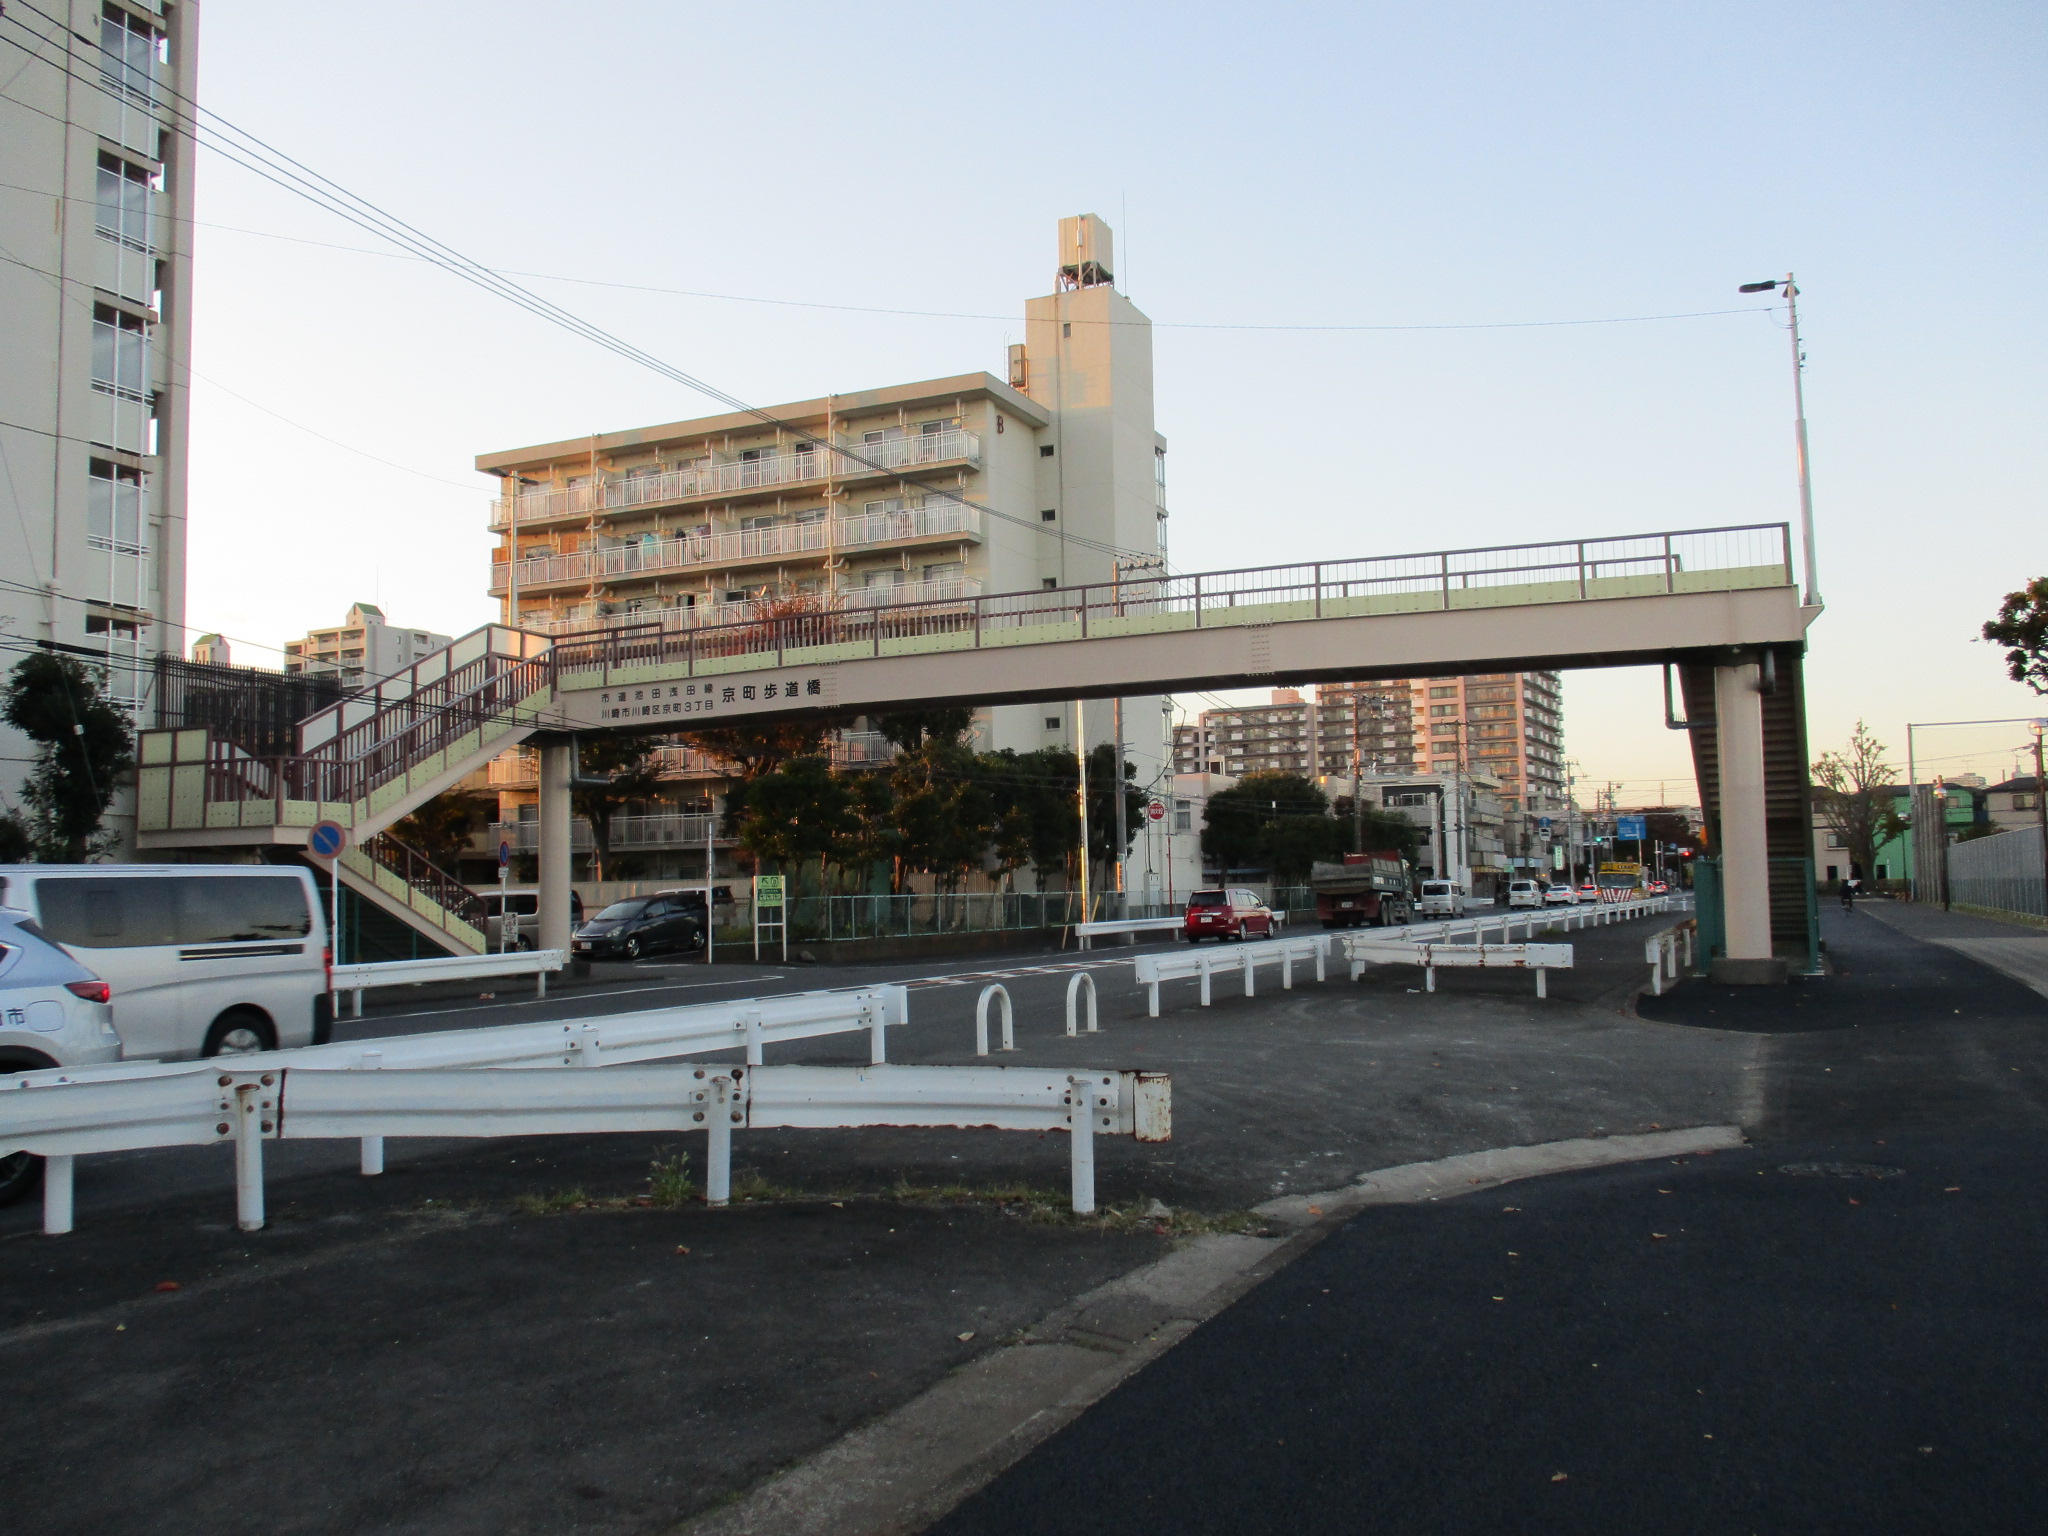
{"x": 327, "y": 839}
{"x": 504, "y": 853}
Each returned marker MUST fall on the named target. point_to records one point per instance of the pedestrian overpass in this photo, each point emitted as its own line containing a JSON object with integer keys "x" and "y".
{"x": 1719, "y": 603}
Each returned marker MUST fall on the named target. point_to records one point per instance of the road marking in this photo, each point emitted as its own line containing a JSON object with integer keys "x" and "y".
{"x": 542, "y": 1002}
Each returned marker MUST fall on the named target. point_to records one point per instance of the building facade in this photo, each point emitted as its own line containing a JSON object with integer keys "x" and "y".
{"x": 936, "y": 491}
{"x": 365, "y": 646}
{"x": 95, "y": 314}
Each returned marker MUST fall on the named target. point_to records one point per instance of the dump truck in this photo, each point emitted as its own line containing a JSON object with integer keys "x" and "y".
{"x": 1367, "y": 888}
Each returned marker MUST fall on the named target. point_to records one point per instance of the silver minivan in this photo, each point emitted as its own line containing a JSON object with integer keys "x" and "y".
{"x": 1441, "y": 898}
{"x": 523, "y": 930}
{"x": 203, "y": 959}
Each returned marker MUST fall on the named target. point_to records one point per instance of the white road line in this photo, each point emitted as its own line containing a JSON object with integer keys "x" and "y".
{"x": 542, "y": 1002}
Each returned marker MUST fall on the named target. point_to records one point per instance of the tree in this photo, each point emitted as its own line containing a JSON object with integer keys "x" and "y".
{"x": 760, "y": 749}
{"x": 1384, "y": 831}
{"x": 1102, "y": 848}
{"x": 83, "y": 745}
{"x": 943, "y": 810}
{"x": 441, "y": 829}
{"x": 2022, "y": 627}
{"x": 800, "y": 813}
{"x": 1853, "y": 791}
{"x": 628, "y": 765}
{"x": 1279, "y": 822}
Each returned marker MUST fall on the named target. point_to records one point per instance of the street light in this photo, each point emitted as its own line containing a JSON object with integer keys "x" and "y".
{"x": 1799, "y": 422}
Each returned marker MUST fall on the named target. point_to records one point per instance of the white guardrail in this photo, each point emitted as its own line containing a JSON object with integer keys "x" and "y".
{"x": 1200, "y": 962}
{"x": 1661, "y": 954}
{"x": 537, "y": 963}
{"x": 201, "y": 1102}
{"x": 1363, "y": 950}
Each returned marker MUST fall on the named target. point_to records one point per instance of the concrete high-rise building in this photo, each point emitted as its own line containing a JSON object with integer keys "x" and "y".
{"x": 362, "y": 648}
{"x": 934, "y": 492}
{"x": 95, "y": 317}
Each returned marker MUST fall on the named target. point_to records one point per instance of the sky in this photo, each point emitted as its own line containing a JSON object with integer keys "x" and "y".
{"x": 787, "y": 200}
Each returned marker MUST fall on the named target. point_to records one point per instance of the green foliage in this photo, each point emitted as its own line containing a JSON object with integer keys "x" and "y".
{"x": 1383, "y": 830}
{"x": 668, "y": 1180}
{"x": 796, "y": 815}
{"x": 1852, "y": 791}
{"x": 1278, "y": 822}
{"x": 944, "y": 813}
{"x": 84, "y": 743}
{"x": 2022, "y": 627}
{"x": 629, "y": 765}
{"x": 442, "y": 828}
{"x": 756, "y": 750}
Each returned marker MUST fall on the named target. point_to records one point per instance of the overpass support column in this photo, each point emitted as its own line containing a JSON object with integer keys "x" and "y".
{"x": 1745, "y": 854}
{"x": 556, "y": 765}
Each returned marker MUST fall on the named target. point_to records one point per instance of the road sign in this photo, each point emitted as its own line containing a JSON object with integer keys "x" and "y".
{"x": 1543, "y": 823}
{"x": 504, "y": 853}
{"x": 1155, "y": 810}
{"x": 326, "y": 839}
{"x": 1631, "y": 827}
{"x": 767, "y": 890}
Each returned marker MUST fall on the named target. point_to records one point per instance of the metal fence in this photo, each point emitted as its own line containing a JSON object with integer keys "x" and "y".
{"x": 2001, "y": 873}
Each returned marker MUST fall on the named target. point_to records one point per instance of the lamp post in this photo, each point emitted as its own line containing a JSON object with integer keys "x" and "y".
{"x": 1791, "y": 290}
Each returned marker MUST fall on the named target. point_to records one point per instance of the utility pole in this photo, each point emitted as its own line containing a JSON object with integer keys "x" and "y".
{"x": 1081, "y": 761}
{"x": 1791, "y": 291}
{"x": 2041, "y": 811}
{"x": 1116, "y": 785}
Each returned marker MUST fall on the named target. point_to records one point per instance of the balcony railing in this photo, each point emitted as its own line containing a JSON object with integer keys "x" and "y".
{"x": 849, "y": 461}
{"x": 651, "y": 556}
{"x": 949, "y": 590}
{"x": 627, "y": 832}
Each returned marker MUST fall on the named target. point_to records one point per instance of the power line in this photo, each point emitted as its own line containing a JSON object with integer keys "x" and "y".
{"x": 253, "y": 154}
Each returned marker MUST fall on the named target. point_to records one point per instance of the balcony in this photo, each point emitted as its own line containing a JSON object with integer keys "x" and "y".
{"x": 654, "y": 556}
{"x": 850, "y": 461}
{"x": 958, "y": 588}
{"x": 627, "y": 832}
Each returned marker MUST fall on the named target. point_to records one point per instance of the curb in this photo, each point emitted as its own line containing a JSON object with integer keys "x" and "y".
{"x": 902, "y": 1471}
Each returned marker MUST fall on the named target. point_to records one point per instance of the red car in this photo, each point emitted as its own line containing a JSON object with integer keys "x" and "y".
{"x": 1228, "y": 914}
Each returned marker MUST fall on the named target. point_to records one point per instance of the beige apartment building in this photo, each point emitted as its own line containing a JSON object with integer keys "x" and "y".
{"x": 95, "y": 311}
{"x": 1506, "y": 726}
{"x": 363, "y": 647}
{"x": 937, "y": 491}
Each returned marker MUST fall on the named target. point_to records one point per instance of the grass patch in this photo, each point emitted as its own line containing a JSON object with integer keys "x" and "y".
{"x": 668, "y": 1179}
{"x": 554, "y": 1202}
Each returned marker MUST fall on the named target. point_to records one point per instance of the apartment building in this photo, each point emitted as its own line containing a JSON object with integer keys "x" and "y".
{"x": 95, "y": 303}
{"x": 362, "y": 648}
{"x": 1507, "y": 726}
{"x": 937, "y": 491}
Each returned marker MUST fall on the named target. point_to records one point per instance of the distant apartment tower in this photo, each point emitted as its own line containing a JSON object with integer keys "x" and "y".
{"x": 1507, "y": 725}
{"x": 95, "y": 312}
{"x": 362, "y": 648}
{"x": 934, "y": 491}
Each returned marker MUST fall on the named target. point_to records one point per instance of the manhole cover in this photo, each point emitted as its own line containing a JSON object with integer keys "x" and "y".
{"x": 1842, "y": 1171}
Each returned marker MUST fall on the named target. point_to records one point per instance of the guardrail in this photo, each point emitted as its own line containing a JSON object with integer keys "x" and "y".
{"x": 1362, "y": 951}
{"x": 1531, "y": 922}
{"x": 1203, "y": 964}
{"x": 1660, "y": 953}
{"x": 200, "y": 1103}
{"x": 1133, "y": 925}
{"x": 537, "y": 963}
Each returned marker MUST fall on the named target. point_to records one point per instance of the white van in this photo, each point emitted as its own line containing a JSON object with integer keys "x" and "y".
{"x": 1441, "y": 898}
{"x": 1525, "y": 893}
{"x": 203, "y": 959}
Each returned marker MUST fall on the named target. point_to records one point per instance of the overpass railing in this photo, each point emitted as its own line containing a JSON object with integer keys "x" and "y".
{"x": 1735, "y": 557}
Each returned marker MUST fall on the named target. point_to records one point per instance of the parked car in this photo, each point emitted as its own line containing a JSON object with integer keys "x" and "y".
{"x": 1525, "y": 893}
{"x": 53, "y": 1013}
{"x": 206, "y": 959}
{"x": 524, "y": 924}
{"x": 1229, "y": 914}
{"x": 643, "y": 925}
{"x": 1562, "y": 894}
{"x": 1441, "y": 898}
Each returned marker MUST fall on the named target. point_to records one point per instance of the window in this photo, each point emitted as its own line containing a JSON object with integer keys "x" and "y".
{"x": 120, "y": 629}
{"x": 1048, "y": 515}
{"x": 1836, "y": 840}
{"x": 162, "y": 910}
{"x": 1444, "y": 693}
{"x": 113, "y": 513}
{"x": 1444, "y": 728}
{"x": 1066, "y": 328}
{"x": 1045, "y": 450}
{"x": 120, "y": 353}
{"x": 1443, "y": 709}
{"x": 1051, "y": 583}
{"x": 122, "y": 211}
{"x": 130, "y": 52}
{"x": 1052, "y": 722}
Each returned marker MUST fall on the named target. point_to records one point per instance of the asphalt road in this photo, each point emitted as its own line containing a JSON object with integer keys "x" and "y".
{"x": 1837, "y": 1329}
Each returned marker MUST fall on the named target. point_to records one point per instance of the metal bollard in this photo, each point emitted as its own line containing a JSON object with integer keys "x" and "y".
{"x": 1073, "y": 1000}
{"x": 751, "y": 1022}
{"x": 373, "y": 1146}
{"x": 994, "y": 989}
{"x": 878, "y": 1025}
{"x": 57, "y": 1205}
{"x": 1205, "y": 963}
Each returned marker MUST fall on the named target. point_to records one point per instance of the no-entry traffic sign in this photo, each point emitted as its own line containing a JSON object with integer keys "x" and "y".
{"x": 1155, "y": 810}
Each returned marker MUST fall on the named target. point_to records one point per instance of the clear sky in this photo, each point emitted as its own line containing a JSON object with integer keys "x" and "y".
{"x": 782, "y": 181}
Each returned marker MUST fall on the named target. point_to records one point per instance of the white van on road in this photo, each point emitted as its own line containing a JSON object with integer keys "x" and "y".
{"x": 1441, "y": 898}
{"x": 203, "y": 959}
